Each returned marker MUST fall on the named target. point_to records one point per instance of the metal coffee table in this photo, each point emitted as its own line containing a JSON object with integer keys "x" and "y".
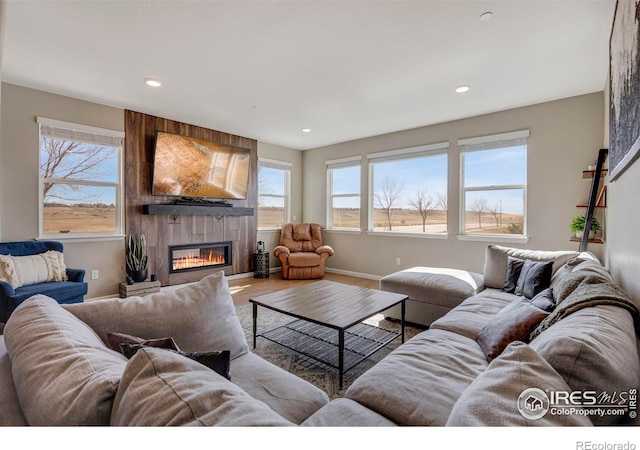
{"x": 328, "y": 325}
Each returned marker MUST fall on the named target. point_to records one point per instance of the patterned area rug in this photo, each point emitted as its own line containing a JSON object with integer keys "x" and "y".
{"x": 315, "y": 372}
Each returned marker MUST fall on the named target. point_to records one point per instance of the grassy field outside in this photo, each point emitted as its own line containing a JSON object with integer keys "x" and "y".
{"x": 407, "y": 220}
{"x": 79, "y": 219}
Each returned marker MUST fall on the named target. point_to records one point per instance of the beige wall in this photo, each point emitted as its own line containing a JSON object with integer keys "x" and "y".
{"x": 565, "y": 137}
{"x": 271, "y": 238}
{"x": 19, "y": 162}
{"x": 623, "y": 216}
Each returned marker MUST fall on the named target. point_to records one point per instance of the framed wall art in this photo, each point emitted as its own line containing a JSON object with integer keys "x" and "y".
{"x": 624, "y": 87}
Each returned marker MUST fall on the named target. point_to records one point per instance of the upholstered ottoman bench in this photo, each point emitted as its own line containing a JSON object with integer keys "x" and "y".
{"x": 432, "y": 291}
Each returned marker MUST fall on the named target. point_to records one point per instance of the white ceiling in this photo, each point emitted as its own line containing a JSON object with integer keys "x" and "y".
{"x": 345, "y": 69}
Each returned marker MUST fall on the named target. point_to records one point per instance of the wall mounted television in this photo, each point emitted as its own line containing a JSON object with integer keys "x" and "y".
{"x": 187, "y": 167}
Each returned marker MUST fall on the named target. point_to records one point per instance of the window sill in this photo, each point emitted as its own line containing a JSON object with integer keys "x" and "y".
{"x": 409, "y": 235}
{"x": 81, "y": 238}
{"x": 493, "y": 238}
{"x": 343, "y": 230}
{"x": 270, "y": 230}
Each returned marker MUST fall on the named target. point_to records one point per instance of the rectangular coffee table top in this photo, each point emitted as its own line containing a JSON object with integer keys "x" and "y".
{"x": 335, "y": 305}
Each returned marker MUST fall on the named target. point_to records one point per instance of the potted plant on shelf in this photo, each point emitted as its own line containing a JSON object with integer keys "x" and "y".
{"x": 137, "y": 258}
{"x": 578, "y": 223}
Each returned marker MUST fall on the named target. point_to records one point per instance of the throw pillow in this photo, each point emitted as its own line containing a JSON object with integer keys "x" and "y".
{"x": 219, "y": 362}
{"x": 67, "y": 375}
{"x": 8, "y": 271}
{"x": 21, "y": 271}
{"x": 57, "y": 270}
{"x": 534, "y": 278}
{"x": 513, "y": 323}
{"x": 117, "y": 339}
{"x": 514, "y": 268}
{"x": 31, "y": 269}
{"x": 198, "y": 316}
{"x": 162, "y": 388}
{"x": 492, "y": 399}
{"x": 544, "y": 300}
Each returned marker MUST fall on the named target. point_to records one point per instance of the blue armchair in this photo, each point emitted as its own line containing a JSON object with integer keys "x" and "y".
{"x": 71, "y": 291}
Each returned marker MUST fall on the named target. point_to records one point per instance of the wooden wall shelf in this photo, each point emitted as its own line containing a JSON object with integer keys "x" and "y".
{"x": 591, "y": 241}
{"x": 195, "y": 210}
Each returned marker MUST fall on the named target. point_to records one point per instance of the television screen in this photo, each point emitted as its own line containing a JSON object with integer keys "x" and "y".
{"x": 189, "y": 167}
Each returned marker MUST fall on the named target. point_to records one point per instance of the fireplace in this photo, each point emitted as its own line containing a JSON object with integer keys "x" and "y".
{"x": 184, "y": 258}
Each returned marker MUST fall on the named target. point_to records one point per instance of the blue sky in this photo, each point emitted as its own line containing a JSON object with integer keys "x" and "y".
{"x": 106, "y": 171}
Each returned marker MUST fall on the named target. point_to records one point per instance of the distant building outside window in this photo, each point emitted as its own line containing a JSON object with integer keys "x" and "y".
{"x": 80, "y": 180}
{"x": 343, "y": 193}
{"x": 274, "y": 193}
{"x": 494, "y": 184}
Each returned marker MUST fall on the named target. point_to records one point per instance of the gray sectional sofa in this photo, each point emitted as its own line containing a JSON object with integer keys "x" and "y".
{"x": 475, "y": 366}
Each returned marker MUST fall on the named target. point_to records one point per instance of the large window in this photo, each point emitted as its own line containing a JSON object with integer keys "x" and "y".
{"x": 80, "y": 180}
{"x": 274, "y": 192}
{"x": 494, "y": 184}
{"x": 408, "y": 190}
{"x": 343, "y": 188}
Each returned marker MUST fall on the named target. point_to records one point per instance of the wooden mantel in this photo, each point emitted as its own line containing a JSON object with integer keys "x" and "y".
{"x": 195, "y": 210}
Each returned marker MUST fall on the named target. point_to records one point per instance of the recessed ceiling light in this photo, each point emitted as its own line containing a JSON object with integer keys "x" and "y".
{"x": 256, "y": 107}
{"x": 306, "y": 130}
{"x": 151, "y": 82}
{"x": 463, "y": 88}
{"x": 486, "y": 16}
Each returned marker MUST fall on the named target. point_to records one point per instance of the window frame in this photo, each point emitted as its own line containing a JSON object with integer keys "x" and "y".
{"x": 485, "y": 143}
{"x": 116, "y": 139}
{"x": 422, "y": 151}
{"x": 286, "y": 167}
{"x": 342, "y": 163}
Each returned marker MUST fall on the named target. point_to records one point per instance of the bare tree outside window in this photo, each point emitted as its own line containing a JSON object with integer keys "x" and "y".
{"x": 70, "y": 160}
{"x": 79, "y": 186}
{"x": 496, "y": 212}
{"x": 388, "y": 196}
{"x": 479, "y": 207}
{"x": 423, "y": 202}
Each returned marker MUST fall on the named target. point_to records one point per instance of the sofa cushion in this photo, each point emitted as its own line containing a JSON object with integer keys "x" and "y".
{"x": 304, "y": 259}
{"x": 62, "y": 291}
{"x": 419, "y": 382}
{"x": 200, "y": 317}
{"x": 593, "y": 349}
{"x": 64, "y": 374}
{"x": 475, "y": 313}
{"x": 163, "y": 388}
{"x": 495, "y": 396}
{"x": 10, "y": 411}
{"x": 290, "y": 396}
{"x": 495, "y": 264}
{"x": 343, "y": 412}
{"x": 513, "y": 323}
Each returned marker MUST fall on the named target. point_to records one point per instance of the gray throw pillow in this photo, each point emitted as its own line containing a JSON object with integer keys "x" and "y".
{"x": 534, "y": 278}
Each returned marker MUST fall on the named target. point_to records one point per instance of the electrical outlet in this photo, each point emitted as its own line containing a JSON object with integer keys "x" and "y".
{"x": 397, "y": 261}
{"x": 95, "y": 274}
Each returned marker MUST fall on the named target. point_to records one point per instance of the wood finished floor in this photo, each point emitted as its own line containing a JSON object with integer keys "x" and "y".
{"x": 242, "y": 289}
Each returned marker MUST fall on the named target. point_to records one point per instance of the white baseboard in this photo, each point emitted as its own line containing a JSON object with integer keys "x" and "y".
{"x": 354, "y": 274}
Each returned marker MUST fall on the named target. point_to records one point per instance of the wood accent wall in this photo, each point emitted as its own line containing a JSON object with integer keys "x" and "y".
{"x": 162, "y": 231}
